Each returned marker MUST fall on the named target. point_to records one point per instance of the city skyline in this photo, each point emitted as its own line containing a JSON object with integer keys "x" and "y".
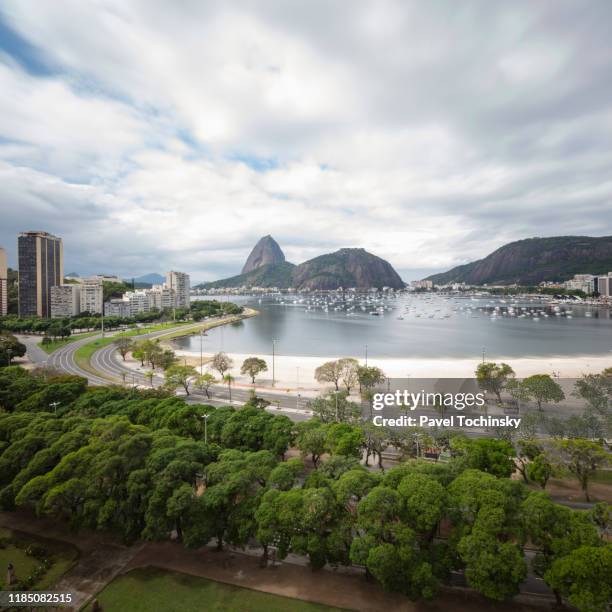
{"x": 428, "y": 134}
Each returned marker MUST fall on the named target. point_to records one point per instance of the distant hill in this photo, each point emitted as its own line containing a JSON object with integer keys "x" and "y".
{"x": 534, "y": 260}
{"x": 265, "y": 253}
{"x": 272, "y": 275}
{"x": 346, "y": 268}
{"x": 153, "y": 278}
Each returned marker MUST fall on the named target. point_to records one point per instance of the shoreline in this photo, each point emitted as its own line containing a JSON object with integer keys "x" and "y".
{"x": 294, "y": 372}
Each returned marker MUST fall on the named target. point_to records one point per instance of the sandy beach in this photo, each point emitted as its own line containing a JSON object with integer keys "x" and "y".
{"x": 293, "y": 372}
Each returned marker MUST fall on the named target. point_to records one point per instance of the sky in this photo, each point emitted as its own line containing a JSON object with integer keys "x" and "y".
{"x": 155, "y": 135}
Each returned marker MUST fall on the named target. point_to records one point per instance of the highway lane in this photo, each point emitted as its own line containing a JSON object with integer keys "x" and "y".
{"x": 110, "y": 364}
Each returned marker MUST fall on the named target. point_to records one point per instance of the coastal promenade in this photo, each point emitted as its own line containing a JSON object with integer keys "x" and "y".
{"x": 106, "y": 367}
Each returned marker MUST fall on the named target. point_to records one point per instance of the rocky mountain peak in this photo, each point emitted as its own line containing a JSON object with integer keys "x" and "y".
{"x": 264, "y": 253}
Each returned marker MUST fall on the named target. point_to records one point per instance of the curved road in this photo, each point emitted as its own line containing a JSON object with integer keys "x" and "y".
{"x": 110, "y": 369}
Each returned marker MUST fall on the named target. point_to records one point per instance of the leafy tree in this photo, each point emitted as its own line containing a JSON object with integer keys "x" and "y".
{"x": 495, "y": 569}
{"x": 556, "y": 530}
{"x": 388, "y": 547}
{"x": 526, "y": 451}
{"x": 253, "y": 366}
{"x": 335, "y": 406}
{"x": 221, "y": 362}
{"x": 493, "y": 377}
{"x": 596, "y": 390}
{"x": 203, "y": 382}
{"x": 166, "y": 359}
{"x": 180, "y": 376}
{"x": 541, "y": 388}
{"x": 582, "y": 458}
{"x": 124, "y": 345}
{"x": 10, "y": 348}
{"x": 424, "y": 500}
{"x": 376, "y": 441}
{"x": 345, "y": 439}
{"x": 491, "y": 456}
{"x": 312, "y": 439}
{"x": 284, "y": 475}
{"x": 369, "y": 377}
{"x": 540, "y": 470}
{"x": 583, "y": 578}
{"x": 348, "y": 373}
{"x": 329, "y": 372}
{"x": 601, "y": 516}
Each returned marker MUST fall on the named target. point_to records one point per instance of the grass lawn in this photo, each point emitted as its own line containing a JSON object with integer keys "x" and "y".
{"x": 53, "y": 346}
{"x": 63, "y": 555}
{"x": 145, "y": 589}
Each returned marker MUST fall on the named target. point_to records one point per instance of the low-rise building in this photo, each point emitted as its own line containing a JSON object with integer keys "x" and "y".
{"x": 117, "y": 307}
{"x": 65, "y": 301}
{"x": 581, "y": 282}
{"x": 162, "y": 297}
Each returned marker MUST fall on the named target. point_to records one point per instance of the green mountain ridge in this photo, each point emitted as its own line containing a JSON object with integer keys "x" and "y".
{"x": 345, "y": 268}
{"x": 271, "y": 275}
{"x": 535, "y": 260}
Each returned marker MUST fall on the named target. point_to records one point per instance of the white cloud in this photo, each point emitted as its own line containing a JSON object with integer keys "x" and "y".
{"x": 429, "y": 135}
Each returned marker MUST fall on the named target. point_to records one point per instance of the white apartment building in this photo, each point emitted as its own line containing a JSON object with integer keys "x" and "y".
{"x": 92, "y": 295}
{"x": 3, "y": 284}
{"x": 179, "y": 281}
{"x": 162, "y": 297}
{"x": 581, "y": 282}
{"x": 65, "y": 301}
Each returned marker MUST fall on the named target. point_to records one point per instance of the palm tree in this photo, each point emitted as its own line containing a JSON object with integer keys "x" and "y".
{"x": 229, "y": 379}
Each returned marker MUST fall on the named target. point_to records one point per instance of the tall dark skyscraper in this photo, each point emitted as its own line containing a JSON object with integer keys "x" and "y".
{"x": 41, "y": 266}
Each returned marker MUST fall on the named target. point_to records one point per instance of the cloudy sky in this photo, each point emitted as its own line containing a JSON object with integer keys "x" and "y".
{"x": 156, "y": 134}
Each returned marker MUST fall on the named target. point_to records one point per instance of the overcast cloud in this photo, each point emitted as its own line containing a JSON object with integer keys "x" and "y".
{"x": 153, "y": 135}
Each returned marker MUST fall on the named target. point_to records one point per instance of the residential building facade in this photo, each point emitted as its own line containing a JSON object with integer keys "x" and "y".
{"x": 3, "y": 283}
{"x": 604, "y": 285}
{"x": 581, "y": 282}
{"x": 179, "y": 281}
{"x": 92, "y": 295}
{"x": 65, "y": 301}
{"x": 41, "y": 266}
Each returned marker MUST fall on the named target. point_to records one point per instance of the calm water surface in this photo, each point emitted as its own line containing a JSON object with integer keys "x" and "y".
{"x": 413, "y": 326}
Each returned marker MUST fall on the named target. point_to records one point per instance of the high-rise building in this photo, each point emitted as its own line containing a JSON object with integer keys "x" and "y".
{"x": 179, "y": 281}
{"x": 41, "y": 266}
{"x": 65, "y": 301}
{"x": 3, "y": 284}
{"x": 604, "y": 285}
{"x": 92, "y": 295}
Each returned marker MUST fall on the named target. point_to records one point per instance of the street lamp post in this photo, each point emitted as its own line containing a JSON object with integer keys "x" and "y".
{"x": 205, "y": 417}
{"x": 54, "y": 405}
{"x": 9, "y": 352}
{"x": 483, "y": 354}
{"x": 297, "y": 399}
{"x": 366, "y": 355}
{"x": 273, "y": 361}
{"x": 202, "y": 334}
